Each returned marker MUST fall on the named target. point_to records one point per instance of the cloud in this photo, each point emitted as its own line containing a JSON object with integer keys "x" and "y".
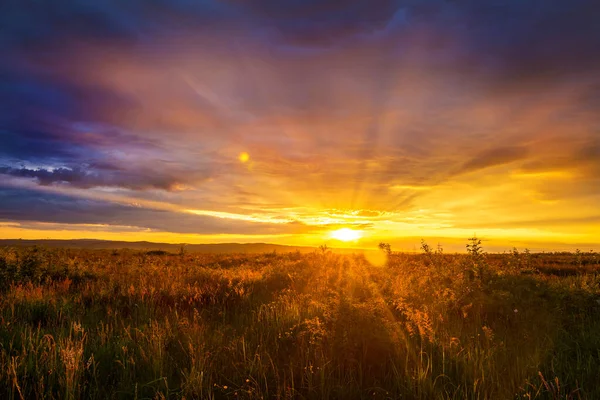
{"x": 321, "y": 23}
{"x": 368, "y": 213}
{"x": 578, "y": 155}
{"x": 30, "y": 205}
{"x": 340, "y": 104}
{"x": 106, "y": 176}
{"x": 556, "y": 223}
{"x": 494, "y": 157}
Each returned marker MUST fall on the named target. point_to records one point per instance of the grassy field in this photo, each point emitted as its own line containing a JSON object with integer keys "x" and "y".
{"x": 123, "y": 324}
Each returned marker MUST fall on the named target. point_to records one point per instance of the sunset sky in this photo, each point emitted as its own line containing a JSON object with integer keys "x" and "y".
{"x": 284, "y": 121}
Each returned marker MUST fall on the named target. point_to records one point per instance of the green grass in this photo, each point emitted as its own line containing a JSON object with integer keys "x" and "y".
{"x": 104, "y": 324}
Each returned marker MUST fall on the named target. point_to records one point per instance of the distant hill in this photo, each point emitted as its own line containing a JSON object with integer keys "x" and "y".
{"x": 193, "y": 248}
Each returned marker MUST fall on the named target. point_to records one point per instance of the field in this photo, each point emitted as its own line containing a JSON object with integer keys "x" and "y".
{"x": 102, "y": 324}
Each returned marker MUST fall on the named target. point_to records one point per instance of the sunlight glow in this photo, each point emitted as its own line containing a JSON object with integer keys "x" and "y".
{"x": 346, "y": 234}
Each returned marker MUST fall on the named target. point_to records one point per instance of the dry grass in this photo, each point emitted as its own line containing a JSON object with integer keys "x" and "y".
{"x": 101, "y": 324}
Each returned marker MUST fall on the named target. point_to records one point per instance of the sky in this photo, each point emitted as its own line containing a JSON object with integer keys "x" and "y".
{"x": 283, "y": 121}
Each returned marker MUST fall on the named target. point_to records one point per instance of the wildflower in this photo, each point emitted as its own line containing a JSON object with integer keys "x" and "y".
{"x": 225, "y": 387}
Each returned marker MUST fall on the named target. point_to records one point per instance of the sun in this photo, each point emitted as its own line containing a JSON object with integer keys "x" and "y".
{"x": 346, "y": 234}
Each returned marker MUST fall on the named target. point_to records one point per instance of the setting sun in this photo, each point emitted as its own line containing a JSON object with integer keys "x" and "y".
{"x": 346, "y": 234}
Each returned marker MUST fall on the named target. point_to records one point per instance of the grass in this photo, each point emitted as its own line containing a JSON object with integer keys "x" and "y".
{"x": 132, "y": 325}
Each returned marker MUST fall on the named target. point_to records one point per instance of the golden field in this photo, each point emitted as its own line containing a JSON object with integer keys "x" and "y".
{"x": 125, "y": 324}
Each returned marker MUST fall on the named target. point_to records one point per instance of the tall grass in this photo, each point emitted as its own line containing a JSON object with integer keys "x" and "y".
{"x": 100, "y": 324}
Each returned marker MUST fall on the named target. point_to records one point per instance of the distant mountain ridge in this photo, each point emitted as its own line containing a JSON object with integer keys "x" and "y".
{"x": 171, "y": 247}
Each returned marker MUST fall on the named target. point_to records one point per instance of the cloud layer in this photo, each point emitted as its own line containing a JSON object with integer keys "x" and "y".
{"x": 462, "y": 113}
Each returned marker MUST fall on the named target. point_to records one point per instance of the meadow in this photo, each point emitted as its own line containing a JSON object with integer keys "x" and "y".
{"x": 125, "y": 324}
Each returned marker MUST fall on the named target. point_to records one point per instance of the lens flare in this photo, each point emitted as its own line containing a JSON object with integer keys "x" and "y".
{"x": 244, "y": 157}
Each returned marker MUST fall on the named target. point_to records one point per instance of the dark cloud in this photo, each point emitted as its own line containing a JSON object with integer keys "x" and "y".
{"x": 44, "y": 25}
{"x": 52, "y": 120}
{"x": 316, "y": 23}
{"x": 35, "y": 206}
{"x": 35, "y": 145}
{"x": 97, "y": 176}
{"x": 493, "y": 157}
{"x": 581, "y": 155}
{"x": 553, "y": 40}
{"x": 501, "y": 29}
{"x": 49, "y": 141}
